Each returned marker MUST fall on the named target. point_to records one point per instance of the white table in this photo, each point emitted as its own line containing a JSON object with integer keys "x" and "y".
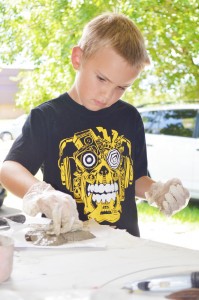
{"x": 94, "y": 273}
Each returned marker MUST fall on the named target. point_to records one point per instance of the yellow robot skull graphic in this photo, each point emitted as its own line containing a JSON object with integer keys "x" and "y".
{"x": 97, "y": 168}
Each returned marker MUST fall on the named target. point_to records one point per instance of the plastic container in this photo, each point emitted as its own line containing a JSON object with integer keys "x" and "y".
{"x": 6, "y": 257}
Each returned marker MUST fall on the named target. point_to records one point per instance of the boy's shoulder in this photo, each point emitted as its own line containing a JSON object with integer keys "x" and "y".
{"x": 53, "y": 103}
{"x": 129, "y": 107}
{"x": 55, "y": 100}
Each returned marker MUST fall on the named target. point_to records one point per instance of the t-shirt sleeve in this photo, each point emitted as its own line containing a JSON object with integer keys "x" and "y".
{"x": 140, "y": 166}
{"x": 30, "y": 147}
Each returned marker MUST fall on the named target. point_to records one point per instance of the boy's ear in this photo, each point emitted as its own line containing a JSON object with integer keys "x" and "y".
{"x": 76, "y": 57}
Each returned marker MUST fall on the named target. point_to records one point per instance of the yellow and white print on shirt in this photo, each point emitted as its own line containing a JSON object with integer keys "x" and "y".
{"x": 97, "y": 168}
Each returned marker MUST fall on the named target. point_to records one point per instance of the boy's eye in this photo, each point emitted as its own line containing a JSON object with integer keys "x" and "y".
{"x": 100, "y": 78}
{"x": 121, "y": 88}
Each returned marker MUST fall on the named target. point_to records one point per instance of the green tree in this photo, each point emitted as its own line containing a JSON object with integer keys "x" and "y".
{"x": 44, "y": 32}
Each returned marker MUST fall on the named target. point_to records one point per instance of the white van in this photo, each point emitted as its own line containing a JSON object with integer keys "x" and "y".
{"x": 172, "y": 138}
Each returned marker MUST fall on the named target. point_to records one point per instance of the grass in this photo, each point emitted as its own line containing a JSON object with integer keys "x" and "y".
{"x": 190, "y": 214}
{"x": 181, "y": 229}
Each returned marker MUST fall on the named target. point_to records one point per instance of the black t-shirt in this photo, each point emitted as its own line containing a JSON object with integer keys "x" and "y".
{"x": 95, "y": 156}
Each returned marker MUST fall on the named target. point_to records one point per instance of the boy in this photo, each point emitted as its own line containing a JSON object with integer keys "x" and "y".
{"x": 90, "y": 144}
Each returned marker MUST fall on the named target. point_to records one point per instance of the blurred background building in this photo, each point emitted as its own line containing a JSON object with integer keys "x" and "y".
{"x": 8, "y": 90}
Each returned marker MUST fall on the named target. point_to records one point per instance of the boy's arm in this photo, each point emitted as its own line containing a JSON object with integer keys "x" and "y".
{"x": 39, "y": 196}
{"x": 15, "y": 178}
{"x": 169, "y": 197}
{"x": 142, "y": 185}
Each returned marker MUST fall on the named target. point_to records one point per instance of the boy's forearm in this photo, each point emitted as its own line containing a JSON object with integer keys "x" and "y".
{"x": 15, "y": 178}
{"x": 143, "y": 185}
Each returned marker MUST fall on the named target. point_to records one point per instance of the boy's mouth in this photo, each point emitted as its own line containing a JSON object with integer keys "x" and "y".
{"x": 100, "y": 104}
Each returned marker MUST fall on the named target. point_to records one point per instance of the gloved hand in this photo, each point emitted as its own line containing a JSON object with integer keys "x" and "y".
{"x": 170, "y": 197}
{"x": 58, "y": 206}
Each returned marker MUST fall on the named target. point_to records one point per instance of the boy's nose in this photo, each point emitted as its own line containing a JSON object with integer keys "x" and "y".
{"x": 106, "y": 94}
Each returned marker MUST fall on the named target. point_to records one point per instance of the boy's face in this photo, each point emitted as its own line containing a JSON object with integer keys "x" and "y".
{"x": 102, "y": 79}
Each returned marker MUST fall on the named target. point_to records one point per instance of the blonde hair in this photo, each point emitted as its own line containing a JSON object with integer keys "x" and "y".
{"x": 116, "y": 31}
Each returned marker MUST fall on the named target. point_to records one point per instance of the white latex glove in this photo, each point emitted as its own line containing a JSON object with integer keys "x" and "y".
{"x": 169, "y": 197}
{"x": 58, "y": 206}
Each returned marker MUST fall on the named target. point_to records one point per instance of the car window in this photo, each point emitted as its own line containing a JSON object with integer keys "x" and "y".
{"x": 151, "y": 121}
{"x": 170, "y": 122}
{"x": 178, "y": 122}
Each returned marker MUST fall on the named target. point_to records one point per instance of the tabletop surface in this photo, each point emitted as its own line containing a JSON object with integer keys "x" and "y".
{"x": 94, "y": 270}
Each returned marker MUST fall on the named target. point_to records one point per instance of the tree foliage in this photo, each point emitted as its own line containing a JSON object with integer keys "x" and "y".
{"x": 44, "y": 31}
